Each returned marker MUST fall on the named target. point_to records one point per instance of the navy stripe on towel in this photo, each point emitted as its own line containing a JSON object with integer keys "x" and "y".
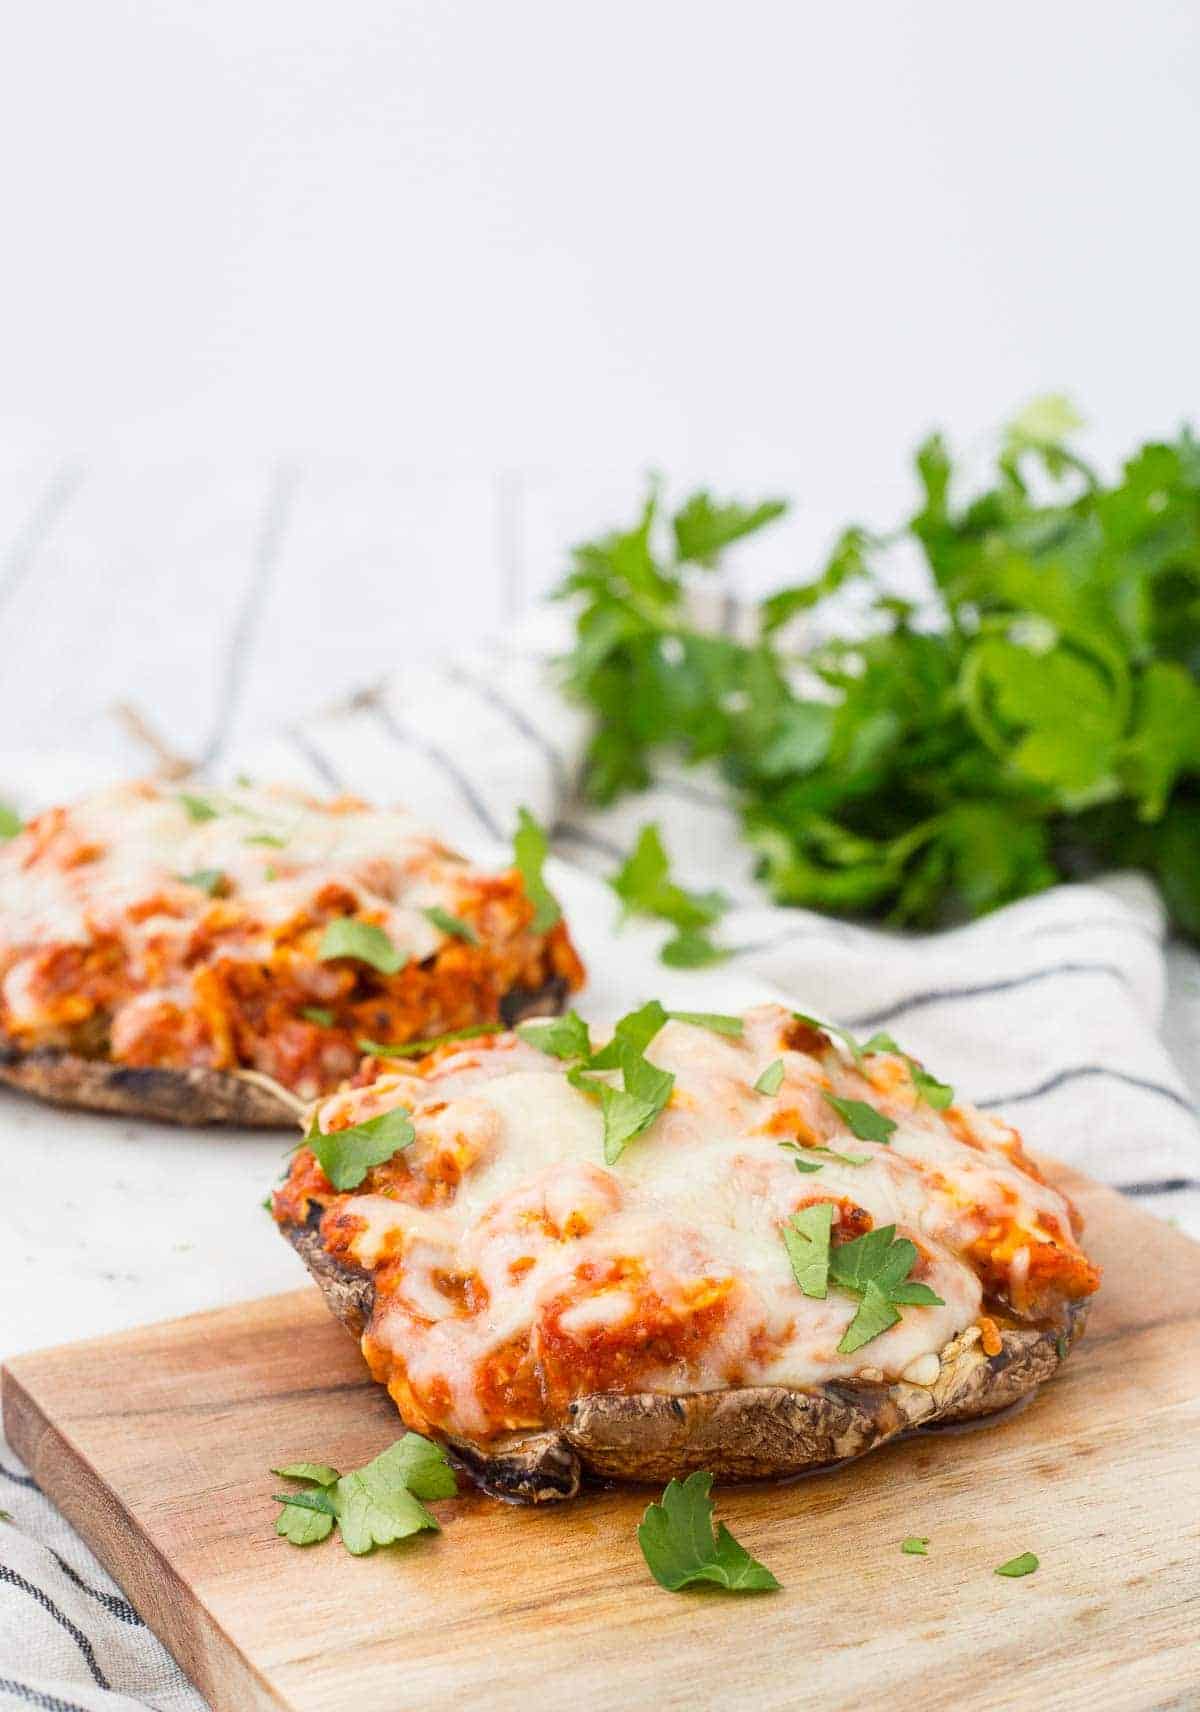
{"x": 51, "y": 1609}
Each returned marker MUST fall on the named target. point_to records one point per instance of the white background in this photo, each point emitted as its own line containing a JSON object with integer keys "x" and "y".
{"x": 326, "y": 326}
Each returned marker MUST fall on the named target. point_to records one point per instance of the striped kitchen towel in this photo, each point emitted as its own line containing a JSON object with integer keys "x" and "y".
{"x": 1050, "y": 1011}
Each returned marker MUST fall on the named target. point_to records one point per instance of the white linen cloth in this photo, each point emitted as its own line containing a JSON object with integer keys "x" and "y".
{"x": 1050, "y": 1011}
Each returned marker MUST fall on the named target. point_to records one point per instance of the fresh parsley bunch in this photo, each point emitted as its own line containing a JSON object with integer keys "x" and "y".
{"x": 1043, "y": 722}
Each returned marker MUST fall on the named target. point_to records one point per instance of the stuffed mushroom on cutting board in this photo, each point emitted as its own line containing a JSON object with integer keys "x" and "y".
{"x": 731, "y": 1243}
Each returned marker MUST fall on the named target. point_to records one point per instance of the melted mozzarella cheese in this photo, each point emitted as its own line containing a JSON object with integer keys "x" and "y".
{"x": 276, "y": 849}
{"x": 691, "y": 1214}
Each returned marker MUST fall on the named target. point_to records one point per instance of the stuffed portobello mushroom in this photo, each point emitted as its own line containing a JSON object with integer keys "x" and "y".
{"x": 740, "y": 1244}
{"x": 227, "y": 957}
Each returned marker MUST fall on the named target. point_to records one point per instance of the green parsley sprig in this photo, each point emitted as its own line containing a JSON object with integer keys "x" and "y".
{"x": 346, "y": 1155}
{"x": 530, "y": 848}
{"x": 874, "y": 1267}
{"x": 373, "y": 1506}
{"x": 680, "y": 1548}
{"x": 362, "y": 941}
{"x": 645, "y": 1090}
{"x": 645, "y": 887}
{"x": 1039, "y": 720}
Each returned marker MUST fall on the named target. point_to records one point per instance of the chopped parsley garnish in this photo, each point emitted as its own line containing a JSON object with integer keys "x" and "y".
{"x": 802, "y": 1162}
{"x": 916, "y": 1546}
{"x": 306, "y": 1517}
{"x": 876, "y": 1268}
{"x": 638, "y": 1029}
{"x": 317, "y": 1014}
{"x": 679, "y": 1546}
{"x": 1017, "y": 1566}
{"x": 561, "y": 1037}
{"x": 630, "y": 1109}
{"x": 346, "y": 1155}
{"x": 198, "y": 808}
{"x": 271, "y": 839}
{"x": 692, "y": 949}
{"x": 730, "y": 1025}
{"x": 936, "y": 1094}
{"x": 644, "y": 885}
{"x": 364, "y": 942}
{"x": 861, "y": 1119}
{"x": 852, "y": 1046}
{"x": 771, "y": 1079}
{"x": 530, "y": 848}
{"x": 645, "y": 1090}
{"x": 419, "y": 1048}
{"x": 806, "y": 1238}
{"x": 10, "y": 821}
{"x": 373, "y": 1506}
{"x": 454, "y": 925}
{"x": 211, "y": 881}
{"x": 635, "y": 1031}
{"x": 320, "y": 1473}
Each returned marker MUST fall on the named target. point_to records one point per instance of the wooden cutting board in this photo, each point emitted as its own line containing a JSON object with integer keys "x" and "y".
{"x": 156, "y": 1445}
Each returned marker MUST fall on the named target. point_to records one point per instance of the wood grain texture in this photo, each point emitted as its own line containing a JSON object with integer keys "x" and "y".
{"x": 156, "y": 1445}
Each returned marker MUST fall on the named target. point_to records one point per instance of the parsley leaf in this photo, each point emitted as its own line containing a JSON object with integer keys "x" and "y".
{"x": 692, "y": 949}
{"x": 563, "y": 1037}
{"x": 1017, "y": 1566}
{"x": 915, "y": 1546}
{"x": 270, "y": 839}
{"x": 861, "y": 1119}
{"x": 730, "y": 1025}
{"x": 197, "y": 808}
{"x": 634, "y": 1031}
{"x": 306, "y": 1517}
{"x": 631, "y": 1109}
{"x": 530, "y": 847}
{"x": 419, "y": 1048}
{"x": 703, "y": 526}
{"x": 346, "y": 936}
{"x": 644, "y": 886}
{"x": 937, "y": 1094}
{"x": 806, "y": 1238}
{"x": 876, "y": 1268}
{"x": 771, "y": 1079}
{"x": 374, "y": 1505}
{"x": 875, "y": 1316}
{"x": 318, "y": 1014}
{"x": 677, "y": 1541}
{"x": 801, "y": 1161}
{"x": 210, "y": 881}
{"x": 856, "y": 1051}
{"x": 10, "y": 821}
{"x": 346, "y": 1155}
{"x": 318, "y": 1472}
{"x": 454, "y": 925}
